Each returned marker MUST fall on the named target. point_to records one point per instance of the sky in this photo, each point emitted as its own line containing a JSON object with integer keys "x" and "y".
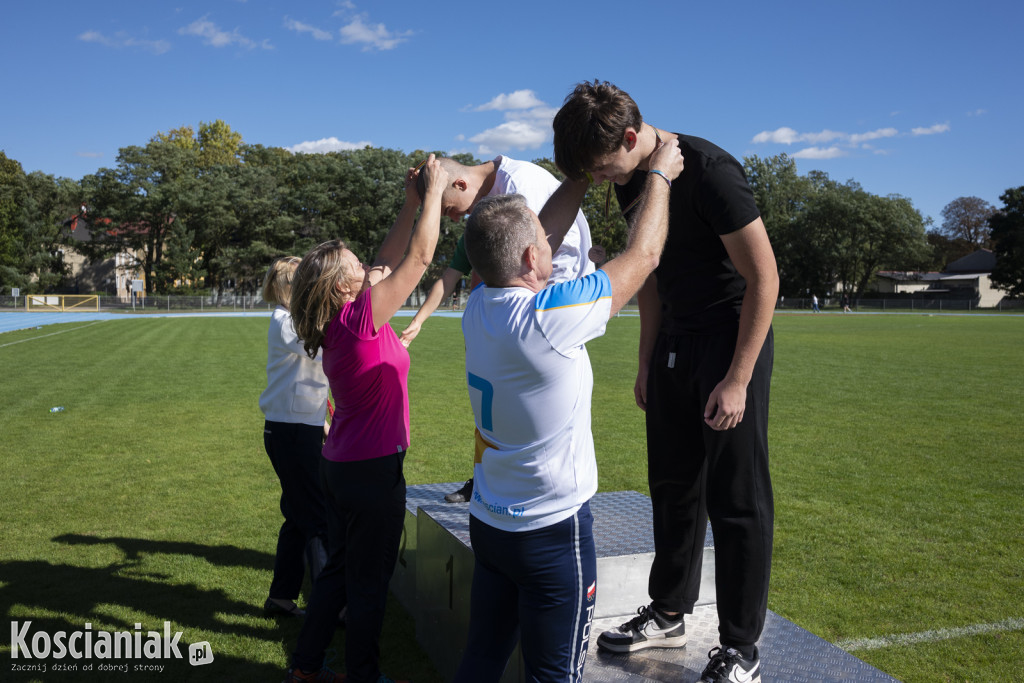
{"x": 923, "y": 100}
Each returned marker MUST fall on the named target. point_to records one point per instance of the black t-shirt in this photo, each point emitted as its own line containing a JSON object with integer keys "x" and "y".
{"x": 698, "y": 285}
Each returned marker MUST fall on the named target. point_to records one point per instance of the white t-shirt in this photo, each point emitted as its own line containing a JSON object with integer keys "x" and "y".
{"x": 572, "y": 258}
{"x": 530, "y": 385}
{"x": 296, "y": 385}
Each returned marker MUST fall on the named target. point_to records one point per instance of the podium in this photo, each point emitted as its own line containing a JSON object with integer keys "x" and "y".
{"x": 434, "y": 576}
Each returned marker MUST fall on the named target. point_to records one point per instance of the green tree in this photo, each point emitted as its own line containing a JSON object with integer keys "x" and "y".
{"x": 779, "y": 191}
{"x": 846, "y": 235}
{"x": 143, "y": 197}
{"x": 1007, "y": 226}
{"x": 183, "y": 136}
{"x": 215, "y": 143}
{"x": 218, "y": 144}
{"x": 780, "y": 194}
{"x": 32, "y": 244}
{"x": 50, "y": 201}
{"x": 180, "y": 271}
{"x": 892, "y": 238}
{"x": 12, "y": 190}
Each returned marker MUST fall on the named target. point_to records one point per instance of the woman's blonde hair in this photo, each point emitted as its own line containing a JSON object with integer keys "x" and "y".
{"x": 277, "y": 283}
{"x": 315, "y": 297}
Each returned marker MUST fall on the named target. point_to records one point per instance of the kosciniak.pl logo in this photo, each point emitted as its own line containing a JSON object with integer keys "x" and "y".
{"x": 88, "y": 645}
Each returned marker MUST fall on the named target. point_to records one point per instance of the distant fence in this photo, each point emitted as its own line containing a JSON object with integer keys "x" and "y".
{"x": 900, "y": 305}
{"x": 153, "y": 303}
{"x": 254, "y": 302}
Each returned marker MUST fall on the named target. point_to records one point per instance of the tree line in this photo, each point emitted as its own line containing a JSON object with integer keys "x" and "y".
{"x": 205, "y": 211}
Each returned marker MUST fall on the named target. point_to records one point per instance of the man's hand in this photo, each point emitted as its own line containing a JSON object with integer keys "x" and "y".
{"x": 409, "y": 333}
{"x": 726, "y": 405}
{"x": 640, "y": 388}
{"x": 667, "y": 159}
{"x": 436, "y": 177}
{"x": 412, "y": 197}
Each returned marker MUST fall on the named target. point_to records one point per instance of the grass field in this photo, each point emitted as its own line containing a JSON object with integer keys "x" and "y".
{"x": 896, "y": 455}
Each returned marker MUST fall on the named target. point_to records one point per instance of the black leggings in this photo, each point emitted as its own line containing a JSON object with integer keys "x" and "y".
{"x": 696, "y": 473}
{"x": 294, "y": 451}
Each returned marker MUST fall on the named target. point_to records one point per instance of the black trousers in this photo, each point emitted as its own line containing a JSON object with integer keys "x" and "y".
{"x": 294, "y": 451}
{"x": 366, "y": 514}
{"x": 696, "y": 473}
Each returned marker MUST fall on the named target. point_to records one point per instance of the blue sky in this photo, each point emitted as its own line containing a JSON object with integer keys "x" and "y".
{"x": 912, "y": 98}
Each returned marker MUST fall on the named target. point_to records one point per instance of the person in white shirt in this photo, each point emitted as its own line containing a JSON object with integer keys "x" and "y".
{"x": 467, "y": 185}
{"x": 530, "y": 382}
{"x": 295, "y": 406}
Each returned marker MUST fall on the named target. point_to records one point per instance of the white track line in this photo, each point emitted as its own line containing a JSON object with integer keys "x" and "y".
{"x": 51, "y": 334}
{"x": 929, "y": 636}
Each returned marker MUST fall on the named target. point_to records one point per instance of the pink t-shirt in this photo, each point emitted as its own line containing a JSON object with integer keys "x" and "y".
{"x": 368, "y": 374}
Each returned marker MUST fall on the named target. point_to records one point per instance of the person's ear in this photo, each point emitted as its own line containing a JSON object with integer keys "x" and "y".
{"x": 460, "y": 185}
{"x": 629, "y": 139}
{"x": 343, "y": 287}
{"x": 530, "y": 256}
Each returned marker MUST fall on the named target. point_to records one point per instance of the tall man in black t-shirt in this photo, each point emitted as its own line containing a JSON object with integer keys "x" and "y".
{"x": 706, "y": 352}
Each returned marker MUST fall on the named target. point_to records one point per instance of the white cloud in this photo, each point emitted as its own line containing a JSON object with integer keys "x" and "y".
{"x": 819, "y": 153}
{"x": 324, "y": 145}
{"x": 119, "y": 40}
{"x": 213, "y": 36}
{"x": 371, "y": 36}
{"x": 783, "y": 136}
{"x": 520, "y": 99}
{"x": 859, "y": 138}
{"x": 843, "y": 141}
{"x": 931, "y": 130}
{"x": 788, "y": 136}
{"x": 89, "y": 155}
{"x": 299, "y": 27}
{"x": 511, "y": 134}
{"x": 527, "y": 123}
{"x": 977, "y": 112}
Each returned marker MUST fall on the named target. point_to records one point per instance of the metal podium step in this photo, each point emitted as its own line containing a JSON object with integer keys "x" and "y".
{"x": 435, "y": 572}
{"x": 789, "y": 654}
{"x": 622, "y": 537}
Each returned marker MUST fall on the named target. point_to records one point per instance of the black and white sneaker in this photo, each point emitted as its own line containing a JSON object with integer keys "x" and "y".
{"x": 648, "y": 629}
{"x": 730, "y": 666}
{"x": 462, "y": 495}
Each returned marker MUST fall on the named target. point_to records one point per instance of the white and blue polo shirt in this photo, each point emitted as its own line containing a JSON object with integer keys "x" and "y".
{"x": 530, "y": 385}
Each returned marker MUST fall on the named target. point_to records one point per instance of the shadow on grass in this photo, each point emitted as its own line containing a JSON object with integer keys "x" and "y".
{"x": 62, "y": 597}
{"x": 220, "y": 555}
{"x": 66, "y": 597}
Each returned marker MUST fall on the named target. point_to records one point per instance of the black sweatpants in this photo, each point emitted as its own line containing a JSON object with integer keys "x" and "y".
{"x": 366, "y": 513}
{"x": 696, "y": 473}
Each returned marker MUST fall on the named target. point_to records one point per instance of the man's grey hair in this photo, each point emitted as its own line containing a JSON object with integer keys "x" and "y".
{"x": 497, "y": 233}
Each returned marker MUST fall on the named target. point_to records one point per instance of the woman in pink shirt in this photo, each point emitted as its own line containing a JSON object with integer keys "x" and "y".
{"x": 343, "y": 307}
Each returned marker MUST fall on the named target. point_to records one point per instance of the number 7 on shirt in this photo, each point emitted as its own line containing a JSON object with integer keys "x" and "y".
{"x": 486, "y": 399}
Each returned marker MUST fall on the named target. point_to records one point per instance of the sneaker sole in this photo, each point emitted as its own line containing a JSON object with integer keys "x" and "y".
{"x": 677, "y": 641}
